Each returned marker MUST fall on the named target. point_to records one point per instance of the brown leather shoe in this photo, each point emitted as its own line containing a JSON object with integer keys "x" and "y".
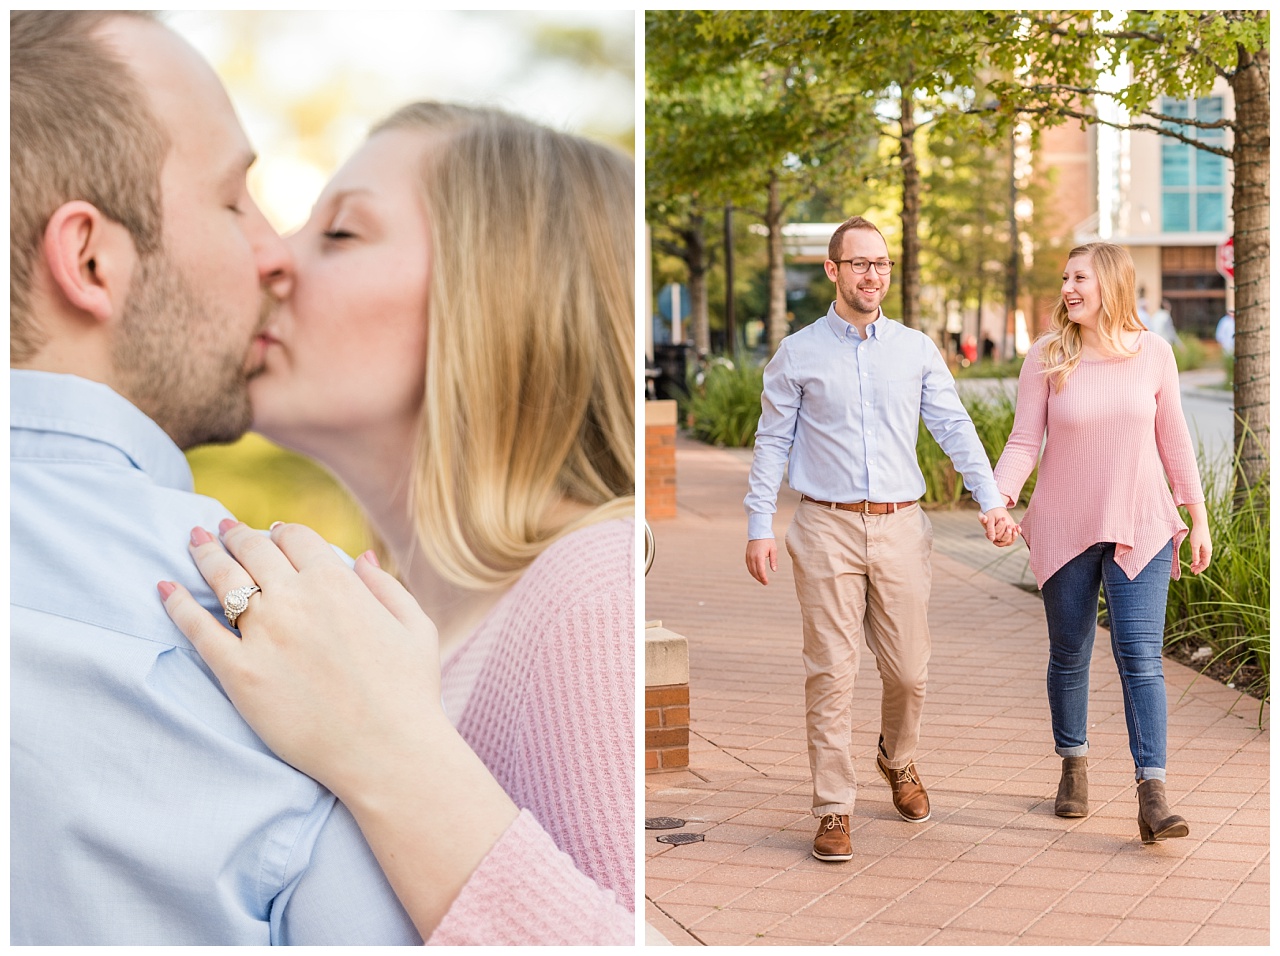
{"x": 909, "y": 797}
{"x": 832, "y": 842}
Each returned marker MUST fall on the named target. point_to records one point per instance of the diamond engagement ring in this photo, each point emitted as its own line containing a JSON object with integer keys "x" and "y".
{"x": 236, "y": 601}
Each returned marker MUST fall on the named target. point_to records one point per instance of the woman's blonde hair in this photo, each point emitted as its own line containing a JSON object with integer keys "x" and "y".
{"x": 530, "y": 381}
{"x": 1113, "y": 267}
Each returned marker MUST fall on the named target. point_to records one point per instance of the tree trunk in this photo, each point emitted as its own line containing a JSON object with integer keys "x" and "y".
{"x": 1011, "y": 276}
{"x": 730, "y": 318}
{"x": 910, "y": 267}
{"x": 777, "y": 271}
{"x": 695, "y": 259}
{"x": 1250, "y": 205}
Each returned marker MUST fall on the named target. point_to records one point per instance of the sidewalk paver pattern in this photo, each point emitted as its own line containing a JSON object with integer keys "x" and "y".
{"x": 993, "y": 865}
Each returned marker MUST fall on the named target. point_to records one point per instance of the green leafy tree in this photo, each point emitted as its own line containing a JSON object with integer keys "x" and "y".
{"x": 965, "y": 215}
{"x": 679, "y": 231}
{"x": 910, "y": 67}
{"x": 1063, "y": 59}
{"x": 759, "y": 133}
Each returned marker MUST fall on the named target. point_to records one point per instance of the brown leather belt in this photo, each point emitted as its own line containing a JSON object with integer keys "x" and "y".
{"x": 862, "y": 507}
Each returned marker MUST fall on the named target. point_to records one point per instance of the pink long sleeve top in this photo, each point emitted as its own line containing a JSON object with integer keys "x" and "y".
{"x": 1112, "y": 437}
{"x": 548, "y": 681}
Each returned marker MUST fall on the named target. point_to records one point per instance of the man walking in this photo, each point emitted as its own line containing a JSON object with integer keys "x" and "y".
{"x": 143, "y": 809}
{"x": 841, "y": 407}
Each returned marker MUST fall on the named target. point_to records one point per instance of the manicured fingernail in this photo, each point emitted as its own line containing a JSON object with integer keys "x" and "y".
{"x": 199, "y": 536}
{"x": 371, "y": 558}
{"x": 226, "y": 524}
{"x": 274, "y": 525}
{"x": 166, "y": 588}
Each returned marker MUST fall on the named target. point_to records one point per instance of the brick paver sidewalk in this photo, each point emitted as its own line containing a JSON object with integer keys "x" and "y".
{"x": 993, "y": 865}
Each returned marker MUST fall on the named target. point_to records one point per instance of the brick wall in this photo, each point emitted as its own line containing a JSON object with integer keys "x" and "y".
{"x": 666, "y": 727}
{"x": 666, "y": 698}
{"x": 659, "y": 459}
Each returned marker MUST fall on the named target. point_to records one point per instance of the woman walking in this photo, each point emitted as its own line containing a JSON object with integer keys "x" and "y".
{"x": 1103, "y": 394}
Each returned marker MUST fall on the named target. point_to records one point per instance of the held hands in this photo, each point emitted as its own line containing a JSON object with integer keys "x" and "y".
{"x": 762, "y": 557}
{"x": 1000, "y": 527}
{"x": 328, "y": 657}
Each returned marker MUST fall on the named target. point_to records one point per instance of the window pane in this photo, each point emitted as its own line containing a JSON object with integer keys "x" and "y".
{"x": 1210, "y": 169}
{"x": 1210, "y": 212}
{"x": 1176, "y": 212}
{"x": 1175, "y": 164}
{"x": 1208, "y": 109}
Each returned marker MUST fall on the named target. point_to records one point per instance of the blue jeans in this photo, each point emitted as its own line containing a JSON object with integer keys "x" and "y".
{"x": 1137, "y": 610}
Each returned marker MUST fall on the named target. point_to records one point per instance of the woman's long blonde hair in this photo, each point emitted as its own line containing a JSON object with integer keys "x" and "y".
{"x": 530, "y": 381}
{"x": 1113, "y": 267}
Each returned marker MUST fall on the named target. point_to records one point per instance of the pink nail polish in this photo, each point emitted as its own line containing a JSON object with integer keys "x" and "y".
{"x": 199, "y": 536}
{"x": 371, "y": 558}
{"x": 166, "y": 588}
{"x": 225, "y": 524}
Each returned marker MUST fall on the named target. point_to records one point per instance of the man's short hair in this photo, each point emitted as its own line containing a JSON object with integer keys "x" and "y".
{"x": 79, "y": 128}
{"x": 837, "y": 237}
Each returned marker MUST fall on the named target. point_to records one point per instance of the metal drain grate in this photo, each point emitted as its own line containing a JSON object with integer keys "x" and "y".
{"x": 662, "y": 823}
{"x": 676, "y": 839}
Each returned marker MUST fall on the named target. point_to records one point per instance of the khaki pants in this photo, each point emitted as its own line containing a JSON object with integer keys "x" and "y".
{"x": 860, "y": 574}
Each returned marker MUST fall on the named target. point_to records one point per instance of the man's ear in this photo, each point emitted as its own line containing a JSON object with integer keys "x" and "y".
{"x": 832, "y": 270}
{"x": 90, "y": 259}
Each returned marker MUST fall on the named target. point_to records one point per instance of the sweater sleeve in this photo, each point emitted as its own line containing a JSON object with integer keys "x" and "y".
{"x": 1022, "y": 450}
{"x": 527, "y": 892}
{"x": 556, "y": 726}
{"x": 1173, "y": 440}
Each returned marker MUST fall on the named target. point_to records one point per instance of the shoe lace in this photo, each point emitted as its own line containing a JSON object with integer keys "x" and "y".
{"x": 907, "y": 774}
{"x": 832, "y": 821}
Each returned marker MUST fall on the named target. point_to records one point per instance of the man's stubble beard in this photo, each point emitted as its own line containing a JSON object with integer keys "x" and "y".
{"x": 857, "y": 300}
{"x": 177, "y": 360}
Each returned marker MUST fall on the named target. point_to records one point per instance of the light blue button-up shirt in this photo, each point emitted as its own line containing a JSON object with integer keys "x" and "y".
{"x": 840, "y": 414}
{"x": 143, "y": 808}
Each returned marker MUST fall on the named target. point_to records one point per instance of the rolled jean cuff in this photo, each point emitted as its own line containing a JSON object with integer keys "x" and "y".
{"x": 1072, "y": 751}
{"x": 837, "y": 808}
{"x": 1148, "y": 773}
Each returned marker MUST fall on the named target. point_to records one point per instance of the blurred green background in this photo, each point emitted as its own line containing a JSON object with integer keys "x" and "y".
{"x": 308, "y": 85}
{"x": 261, "y": 483}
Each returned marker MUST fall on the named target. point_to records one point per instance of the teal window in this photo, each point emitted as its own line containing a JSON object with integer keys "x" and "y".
{"x": 1193, "y": 182}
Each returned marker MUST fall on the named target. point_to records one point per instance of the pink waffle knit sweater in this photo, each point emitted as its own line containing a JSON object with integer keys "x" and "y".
{"x": 1112, "y": 436}
{"x": 551, "y": 714}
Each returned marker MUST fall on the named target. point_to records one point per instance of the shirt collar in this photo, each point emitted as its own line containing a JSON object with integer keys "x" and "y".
{"x": 843, "y": 329}
{"x": 70, "y": 405}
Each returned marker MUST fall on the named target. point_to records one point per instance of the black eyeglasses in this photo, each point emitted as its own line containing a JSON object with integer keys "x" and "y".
{"x": 860, "y": 266}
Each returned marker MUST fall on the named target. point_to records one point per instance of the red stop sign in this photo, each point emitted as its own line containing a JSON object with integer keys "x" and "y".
{"x": 1227, "y": 259}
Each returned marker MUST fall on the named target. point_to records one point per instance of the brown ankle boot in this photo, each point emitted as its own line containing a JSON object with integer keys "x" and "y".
{"x": 1073, "y": 788}
{"x": 1155, "y": 820}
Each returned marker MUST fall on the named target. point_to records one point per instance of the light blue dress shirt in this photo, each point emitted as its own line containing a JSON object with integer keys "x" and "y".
{"x": 840, "y": 414}
{"x": 143, "y": 808}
